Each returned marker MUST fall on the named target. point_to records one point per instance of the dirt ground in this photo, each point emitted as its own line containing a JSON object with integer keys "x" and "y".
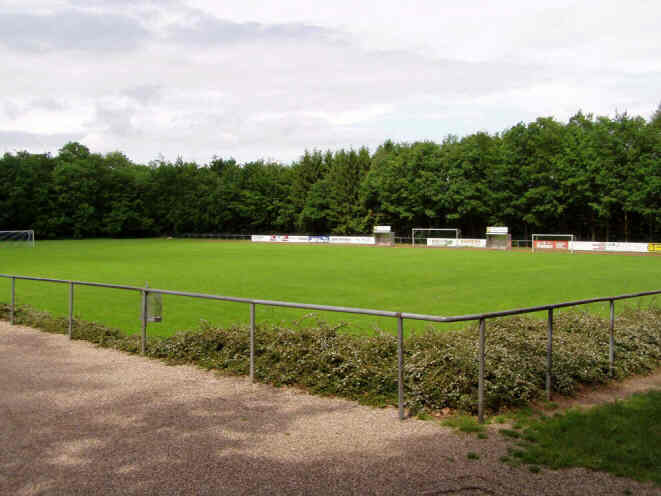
{"x": 586, "y": 398}
{"x": 76, "y": 419}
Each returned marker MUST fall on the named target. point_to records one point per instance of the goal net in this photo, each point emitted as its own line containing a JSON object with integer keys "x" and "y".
{"x": 420, "y": 235}
{"x": 553, "y": 242}
{"x": 17, "y": 238}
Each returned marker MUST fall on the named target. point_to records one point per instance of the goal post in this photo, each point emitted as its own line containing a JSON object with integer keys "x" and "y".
{"x": 444, "y": 232}
{"x": 17, "y": 238}
{"x": 553, "y": 242}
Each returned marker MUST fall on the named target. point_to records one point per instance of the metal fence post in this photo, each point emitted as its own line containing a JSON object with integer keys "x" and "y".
{"x": 611, "y": 341}
{"x": 549, "y": 355}
{"x": 143, "y": 341}
{"x": 12, "y": 308}
{"x": 400, "y": 365}
{"x": 252, "y": 342}
{"x": 70, "y": 309}
{"x": 480, "y": 383}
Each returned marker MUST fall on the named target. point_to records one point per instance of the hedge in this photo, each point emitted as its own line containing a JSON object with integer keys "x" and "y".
{"x": 441, "y": 368}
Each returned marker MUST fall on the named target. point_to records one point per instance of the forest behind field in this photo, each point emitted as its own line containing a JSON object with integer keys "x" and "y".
{"x": 596, "y": 177}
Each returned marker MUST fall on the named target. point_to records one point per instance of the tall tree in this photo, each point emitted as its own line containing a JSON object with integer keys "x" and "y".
{"x": 655, "y": 120}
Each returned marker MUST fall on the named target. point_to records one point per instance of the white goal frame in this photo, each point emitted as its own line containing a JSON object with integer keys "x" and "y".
{"x": 26, "y": 235}
{"x": 570, "y": 238}
{"x": 457, "y": 232}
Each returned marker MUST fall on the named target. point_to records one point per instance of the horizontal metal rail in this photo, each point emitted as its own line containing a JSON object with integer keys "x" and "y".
{"x": 352, "y": 310}
{"x": 401, "y": 316}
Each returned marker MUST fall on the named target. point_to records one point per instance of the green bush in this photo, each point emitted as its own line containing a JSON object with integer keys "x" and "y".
{"x": 441, "y": 368}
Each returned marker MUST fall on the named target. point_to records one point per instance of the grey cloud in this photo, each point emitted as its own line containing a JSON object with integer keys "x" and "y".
{"x": 143, "y": 94}
{"x": 115, "y": 121}
{"x": 209, "y": 30}
{"x": 20, "y": 140}
{"x": 11, "y": 109}
{"x": 47, "y": 104}
{"x": 70, "y": 30}
{"x": 14, "y": 110}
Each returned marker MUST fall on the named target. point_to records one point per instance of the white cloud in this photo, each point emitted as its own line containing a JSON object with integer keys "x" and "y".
{"x": 254, "y": 79}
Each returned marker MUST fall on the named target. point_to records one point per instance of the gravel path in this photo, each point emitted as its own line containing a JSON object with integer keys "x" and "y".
{"x": 76, "y": 419}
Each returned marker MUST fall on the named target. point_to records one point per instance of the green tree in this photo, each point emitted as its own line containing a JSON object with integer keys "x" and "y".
{"x": 655, "y": 120}
{"x": 406, "y": 186}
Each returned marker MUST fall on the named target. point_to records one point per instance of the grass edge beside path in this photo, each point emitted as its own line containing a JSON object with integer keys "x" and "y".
{"x": 622, "y": 437}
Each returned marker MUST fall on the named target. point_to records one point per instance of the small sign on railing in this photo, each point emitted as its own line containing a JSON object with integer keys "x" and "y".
{"x": 153, "y": 306}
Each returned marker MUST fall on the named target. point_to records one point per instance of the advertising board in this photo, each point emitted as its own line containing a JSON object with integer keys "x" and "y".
{"x": 443, "y": 242}
{"x": 352, "y": 240}
{"x": 610, "y": 246}
{"x": 318, "y": 239}
{"x": 473, "y": 243}
{"x": 279, "y": 238}
{"x": 260, "y": 238}
{"x": 456, "y": 243}
{"x": 548, "y": 244}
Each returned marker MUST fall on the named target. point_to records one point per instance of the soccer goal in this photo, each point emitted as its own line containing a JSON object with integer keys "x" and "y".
{"x": 553, "y": 242}
{"x": 421, "y": 234}
{"x": 17, "y": 238}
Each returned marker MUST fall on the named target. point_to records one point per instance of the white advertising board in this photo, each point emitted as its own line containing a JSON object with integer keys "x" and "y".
{"x": 473, "y": 243}
{"x": 497, "y": 230}
{"x": 318, "y": 239}
{"x": 610, "y": 246}
{"x": 456, "y": 243}
{"x": 260, "y": 238}
{"x": 289, "y": 238}
{"x": 279, "y": 238}
{"x": 353, "y": 240}
{"x": 381, "y": 229}
{"x": 443, "y": 242}
{"x": 297, "y": 239}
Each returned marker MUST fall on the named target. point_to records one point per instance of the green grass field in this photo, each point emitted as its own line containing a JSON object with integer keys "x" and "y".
{"x": 431, "y": 281}
{"x": 623, "y": 438}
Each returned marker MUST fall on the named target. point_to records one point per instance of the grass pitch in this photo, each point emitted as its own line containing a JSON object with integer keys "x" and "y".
{"x": 431, "y": 281}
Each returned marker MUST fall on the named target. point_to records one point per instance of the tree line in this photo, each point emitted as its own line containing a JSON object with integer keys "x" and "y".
{"x": 596, "y": 177}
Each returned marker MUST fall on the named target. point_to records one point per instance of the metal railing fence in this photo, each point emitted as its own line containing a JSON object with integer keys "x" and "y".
{"x": 400, "y": 316}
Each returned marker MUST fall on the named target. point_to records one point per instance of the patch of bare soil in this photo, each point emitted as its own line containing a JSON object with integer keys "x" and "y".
{"x": 588, "y": 397}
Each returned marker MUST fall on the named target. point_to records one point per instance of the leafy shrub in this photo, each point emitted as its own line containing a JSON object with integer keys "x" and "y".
{"x": 441, "y": 368}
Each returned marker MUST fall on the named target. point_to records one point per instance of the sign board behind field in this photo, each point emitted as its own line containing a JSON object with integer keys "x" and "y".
{"x": 497, "y": 230}
{"x": 381, "y": 229}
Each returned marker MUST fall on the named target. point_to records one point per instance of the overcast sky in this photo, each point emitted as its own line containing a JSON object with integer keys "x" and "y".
{"x": 267, "y": 79}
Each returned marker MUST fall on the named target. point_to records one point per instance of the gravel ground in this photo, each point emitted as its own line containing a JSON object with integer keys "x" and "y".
{"x": 76, "y": 419}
